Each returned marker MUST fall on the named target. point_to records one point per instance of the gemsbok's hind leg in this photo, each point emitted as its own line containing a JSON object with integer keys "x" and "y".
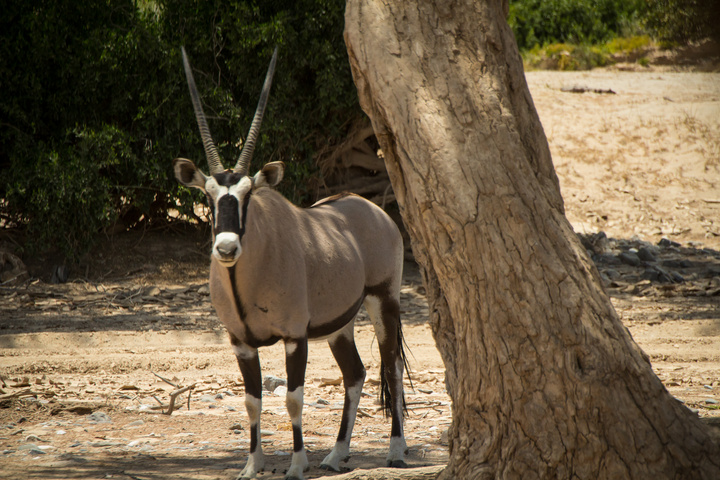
{"x": 384, "y": 311}
{"x": 249, "y": 363}
{"x": 345, "y": 352}
{"x": 296, "y": 352}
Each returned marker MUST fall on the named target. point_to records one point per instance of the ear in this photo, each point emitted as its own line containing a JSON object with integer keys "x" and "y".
{"x": 188, "y": 174}
{"x": 270, "y": 175}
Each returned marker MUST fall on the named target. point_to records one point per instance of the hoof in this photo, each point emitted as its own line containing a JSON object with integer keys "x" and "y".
{"x": 397, "y": 464}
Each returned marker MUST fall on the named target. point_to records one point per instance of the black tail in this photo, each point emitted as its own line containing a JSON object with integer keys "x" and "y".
{"x": 385, "y": 396}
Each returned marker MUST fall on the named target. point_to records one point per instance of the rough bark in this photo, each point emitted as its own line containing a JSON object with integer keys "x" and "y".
{"x": 545, "y": 380}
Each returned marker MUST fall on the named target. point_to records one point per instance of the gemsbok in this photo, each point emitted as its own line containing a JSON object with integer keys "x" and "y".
{"x": 279, "y": 272}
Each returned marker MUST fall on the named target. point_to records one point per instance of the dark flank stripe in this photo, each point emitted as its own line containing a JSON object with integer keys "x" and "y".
{"x": 336, "y": 324}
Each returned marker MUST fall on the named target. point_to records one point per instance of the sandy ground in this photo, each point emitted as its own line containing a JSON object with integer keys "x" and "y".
{"x": 79, "y": 394}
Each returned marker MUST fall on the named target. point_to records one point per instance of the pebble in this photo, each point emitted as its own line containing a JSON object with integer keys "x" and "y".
{"x": 136, "y": 423}
{"x": 645, "y": 254}
{"x": 152, "y": 291}
{"x": 280, "y": 391}
{"x": 666, "y": 242}
{"x": 28, "y": 446}
{"x": 99, "y": 417}
{"x": 104, "y": 443}
{"x": 322, "y": 401}
{"x": 270, "y": 382}
{"x": 711, "y": 401}
{"x": 630, "y": 258}
{"x": 607, "y": 259}
{"x": 207, "y": 398}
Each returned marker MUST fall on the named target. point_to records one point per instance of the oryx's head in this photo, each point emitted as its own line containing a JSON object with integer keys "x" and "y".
{"x": 228, "y": 191}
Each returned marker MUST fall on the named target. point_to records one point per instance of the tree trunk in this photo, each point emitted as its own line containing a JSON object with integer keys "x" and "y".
{"x": 544, "y": 378}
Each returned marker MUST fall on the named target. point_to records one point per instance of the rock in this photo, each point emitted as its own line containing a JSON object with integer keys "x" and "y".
{"x": 136, "y": 423}
{"x": 646, "y": 255}
{"x": 606, "y": 259}
{"x": 322, "y": 401}
{"x": 28, "y": 446}
{"x": 677, "y": 278}
{"x": 666, "y": 242}
{"x": 630, "y": 258}
{"x": 219, "y": 396}
{"x": 207, "y": 398}
{"x": 611, "y": 274}
{"x": 676, "y": 263}
{"x": 280, "y": 391}
{"x": 204, "y": 290}
{"x": 270, "y": 383}
{"x": 444, "y": 437}
{"x": 99, "y": 417}
{"x": 59, "y": 274}
{"x": 152, "y": 292}
{"x": 711, "y": 401}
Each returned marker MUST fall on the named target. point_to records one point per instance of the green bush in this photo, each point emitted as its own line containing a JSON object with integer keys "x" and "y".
{"x": 682, "y": 21}
{"x": 95, "y": 104}
{"x": 540, "y": 22}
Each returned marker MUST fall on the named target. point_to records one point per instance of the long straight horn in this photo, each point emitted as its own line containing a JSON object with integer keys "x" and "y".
{"x": 243, "y": 162}
{"x": 210, "y": 150}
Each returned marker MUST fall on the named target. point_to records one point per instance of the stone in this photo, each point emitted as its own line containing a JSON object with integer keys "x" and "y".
{"x": 630, "y": 258}
{"x": 646, "y": 255}
{"x": 270, "y": 383}
{"x": 99, "y": 417}
{"x": 666, "y": 242}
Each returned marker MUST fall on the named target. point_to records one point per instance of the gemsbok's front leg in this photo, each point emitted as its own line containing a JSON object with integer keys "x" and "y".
{"x": 296, "y": 352}
{"x": 249, "y": 363}
{"x": 345, "y": 352}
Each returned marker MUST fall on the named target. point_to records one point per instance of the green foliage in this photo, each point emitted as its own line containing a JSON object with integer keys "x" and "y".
{"x": 682, "y": 21}
{"x": 95, "y": 104}
{"x": 540, "y": 22}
